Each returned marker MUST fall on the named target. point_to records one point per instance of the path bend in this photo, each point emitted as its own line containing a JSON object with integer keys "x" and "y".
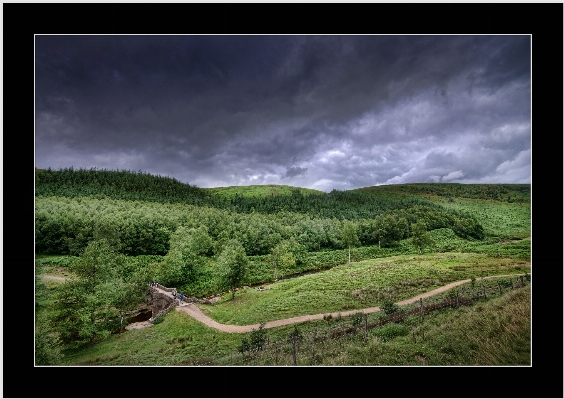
{"x": 195, "y": 312}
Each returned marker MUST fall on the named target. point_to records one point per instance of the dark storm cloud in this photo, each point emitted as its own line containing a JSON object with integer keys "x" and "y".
{"x": 352, "y": 111}
{"x": 294, "y": 172}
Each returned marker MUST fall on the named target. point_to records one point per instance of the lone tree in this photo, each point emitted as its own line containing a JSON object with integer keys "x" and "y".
{"x": 380, "y": 228}
{"x": 286, "y": 254}
{"x": 349, "y": 237}
{"x": 420, "y": 238}
{"x": 233, "y": 265}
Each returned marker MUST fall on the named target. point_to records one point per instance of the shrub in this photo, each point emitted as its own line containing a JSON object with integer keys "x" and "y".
{"x": 245, "y": 346}
{"x": 296, "y": 334}
{"x": 411, "y": 320}
{"x": 258, "y": 338}
{"x": 390, "y": 307}
{"x": 505, "y": 283}
{"x": 158, "y": 320}
{"x": 357, "y": 318}
{"x": 254, "y": 342}
{"x": 390, "y": 331}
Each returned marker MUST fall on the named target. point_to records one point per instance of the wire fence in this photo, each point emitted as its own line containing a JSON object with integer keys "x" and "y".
{"x": 311, "y": 347}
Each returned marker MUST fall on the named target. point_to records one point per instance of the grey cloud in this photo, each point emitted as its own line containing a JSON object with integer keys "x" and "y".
{"x": 294, "y": 171}
{"x": 238, "y": 109}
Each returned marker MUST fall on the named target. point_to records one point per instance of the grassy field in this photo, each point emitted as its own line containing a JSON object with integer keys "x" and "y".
{"x": 505, "y": 220}
{"x": 498, "y": 216}
{"x": 258, "y": 191}
{"x": 362, "y": 284}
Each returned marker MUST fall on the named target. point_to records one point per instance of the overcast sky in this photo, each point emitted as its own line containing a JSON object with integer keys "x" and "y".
{"x": 323, "y": 112}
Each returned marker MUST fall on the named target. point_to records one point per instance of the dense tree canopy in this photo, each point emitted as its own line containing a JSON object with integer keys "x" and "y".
{"x": 94, "y": 305}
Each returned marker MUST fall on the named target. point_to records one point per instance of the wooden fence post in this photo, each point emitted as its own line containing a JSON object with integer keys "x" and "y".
{"x": 499, "y": 284}
{"x": 365, "y": 326}
{"x": 484, "y": 290}
{"x": 457, "y": 305}
{"x": 294, "y": 344}
{"x": 521, "y": 278}
{"x": 421, "y": 306}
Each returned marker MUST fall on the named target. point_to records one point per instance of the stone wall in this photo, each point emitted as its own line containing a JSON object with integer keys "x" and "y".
{"x": 162, "y": 303}
{"x": 167, "y": 289}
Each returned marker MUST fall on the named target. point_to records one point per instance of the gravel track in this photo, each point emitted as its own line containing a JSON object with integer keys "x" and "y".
{"x": 193, "y": 310}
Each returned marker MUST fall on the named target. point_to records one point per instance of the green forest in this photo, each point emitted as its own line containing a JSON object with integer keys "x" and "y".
{"x": 116, "y": 231}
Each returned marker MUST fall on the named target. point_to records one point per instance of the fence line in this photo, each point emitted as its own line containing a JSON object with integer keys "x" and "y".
{"x": 284, "y": 348}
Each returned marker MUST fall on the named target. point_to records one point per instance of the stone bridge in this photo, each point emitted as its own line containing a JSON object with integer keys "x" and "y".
{"x": 161, "y": 301}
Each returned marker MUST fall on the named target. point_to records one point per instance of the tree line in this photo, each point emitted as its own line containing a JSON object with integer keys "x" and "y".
{"x": 66, "y": 226}
{"x": 132, "y": 186}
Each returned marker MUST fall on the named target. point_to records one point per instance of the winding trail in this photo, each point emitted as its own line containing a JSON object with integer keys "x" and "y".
{"x": 197, "y": 314}
{"x": 48, "y": 277}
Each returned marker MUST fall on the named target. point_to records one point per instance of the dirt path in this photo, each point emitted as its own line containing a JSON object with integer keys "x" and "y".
{"x": 197, "y": 314}
{"x": 45, "y": 276}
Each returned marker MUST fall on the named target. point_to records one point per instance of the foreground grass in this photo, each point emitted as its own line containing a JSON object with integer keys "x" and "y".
{"x": 493, "y": 332}
{"x": 178, "y": 340}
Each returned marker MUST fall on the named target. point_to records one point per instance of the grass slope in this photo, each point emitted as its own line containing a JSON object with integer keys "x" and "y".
{"x": 260, "y": 191}
{"x": 361, "y": 285}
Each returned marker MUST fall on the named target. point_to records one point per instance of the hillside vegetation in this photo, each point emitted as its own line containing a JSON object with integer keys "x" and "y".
{"x": 261, "y": 191}
{"x": 115, "y": 231}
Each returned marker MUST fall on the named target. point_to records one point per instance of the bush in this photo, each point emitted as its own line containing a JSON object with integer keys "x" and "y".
{"x": 357, "y": 318}
{"x": 506, "y": 283}
{"x": 255, "y": 342}
{"x": 390, "y": 307}
{"x": 411, "y": 320}
{"x": 391, "y": 331}
{"x": 158, "y": 320}
{"x": 258, "y": 338}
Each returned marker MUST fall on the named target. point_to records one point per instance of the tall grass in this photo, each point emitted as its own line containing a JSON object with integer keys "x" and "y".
{"x": 493, "y": 332}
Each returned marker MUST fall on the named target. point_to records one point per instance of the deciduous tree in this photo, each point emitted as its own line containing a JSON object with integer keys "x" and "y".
{"x": 94, "y": 305}
{"x": 233, "y": 265}
{"x": 420, "y": 237}
{"x": 349, "y": 237}
{"x": 188, "y": 250}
